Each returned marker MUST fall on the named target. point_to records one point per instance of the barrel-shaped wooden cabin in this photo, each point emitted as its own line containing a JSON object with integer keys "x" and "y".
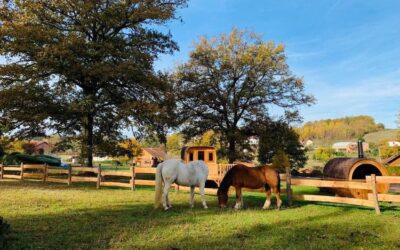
{"x": 354, "y": 169}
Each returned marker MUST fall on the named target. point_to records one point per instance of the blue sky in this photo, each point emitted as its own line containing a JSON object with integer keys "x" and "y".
{"x": 348, "y": 52}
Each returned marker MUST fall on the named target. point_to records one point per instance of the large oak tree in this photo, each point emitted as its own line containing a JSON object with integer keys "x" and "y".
{"x": 233, "y": 80}
{"x": 83, "y": 69}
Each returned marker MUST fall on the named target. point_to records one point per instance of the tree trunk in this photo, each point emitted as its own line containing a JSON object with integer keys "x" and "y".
{"x": 232, "y": 150}
{"x": 89, "y": 140}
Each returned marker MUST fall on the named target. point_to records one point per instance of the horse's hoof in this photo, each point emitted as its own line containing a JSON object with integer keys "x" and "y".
{"x": 265, "y": 208}
{"x": 166, "y": 208}
{"x": 205, "y": 207}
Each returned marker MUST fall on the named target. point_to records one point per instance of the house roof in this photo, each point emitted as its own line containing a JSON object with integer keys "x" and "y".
{"x": 155, "y": 152}
{"x": 391, "y": 159}
{"x": 342, "y": 144}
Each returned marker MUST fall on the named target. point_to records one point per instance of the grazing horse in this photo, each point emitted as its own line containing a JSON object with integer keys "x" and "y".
{"x": 250, "y": 177}
{"x": 193, "y": 174}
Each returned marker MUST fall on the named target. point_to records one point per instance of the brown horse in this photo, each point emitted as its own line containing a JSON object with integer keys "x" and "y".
{"x": 250, "y": 177}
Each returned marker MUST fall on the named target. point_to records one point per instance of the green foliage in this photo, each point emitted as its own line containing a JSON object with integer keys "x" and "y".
{"x": 386, "y": 151}
{"x": 278, "y": 136}
{"x": 84, "y": 68}
{"x": 394, "y": 171}
{"x": 324, "y": 154}
{"x": 280, "y": 161}
{"x": 2, "y": 152}
{"x": 174, "y": 144}
{"x": 341, "y": 128}
{"x": 228, "y": 83}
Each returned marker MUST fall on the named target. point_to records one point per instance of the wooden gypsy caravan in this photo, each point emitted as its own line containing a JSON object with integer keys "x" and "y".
{"x": 208, "y": 154}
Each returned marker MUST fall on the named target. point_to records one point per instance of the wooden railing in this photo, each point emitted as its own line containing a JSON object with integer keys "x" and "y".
{"x": 69, "y": 175}
{"x": 131, "y": 178}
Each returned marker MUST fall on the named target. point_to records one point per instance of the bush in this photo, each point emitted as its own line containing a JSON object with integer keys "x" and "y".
{"x": 394, "y": 171}
{"x": 324, "y": 154}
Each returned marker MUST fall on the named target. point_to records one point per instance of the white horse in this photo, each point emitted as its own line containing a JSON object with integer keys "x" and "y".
{"x": 193, "y": 174}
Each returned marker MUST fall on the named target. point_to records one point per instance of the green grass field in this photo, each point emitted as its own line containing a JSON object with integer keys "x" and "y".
{"x": 52, "y": 216}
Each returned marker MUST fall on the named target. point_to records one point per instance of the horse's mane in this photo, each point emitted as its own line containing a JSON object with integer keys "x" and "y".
{"x": 227, "y": 180}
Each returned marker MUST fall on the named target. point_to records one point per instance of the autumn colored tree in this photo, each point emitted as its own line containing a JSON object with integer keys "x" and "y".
{"x": 232, "y": 80}
{"x": 83, "y": 69}
{"x": 341, "y": 128}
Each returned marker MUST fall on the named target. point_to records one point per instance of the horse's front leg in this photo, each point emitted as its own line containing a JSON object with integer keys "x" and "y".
{"x": 191, "y": 202}
{"x": 202, "y": 193}
{"x": 239, "y": 198}
{"x": 166, "y": 204}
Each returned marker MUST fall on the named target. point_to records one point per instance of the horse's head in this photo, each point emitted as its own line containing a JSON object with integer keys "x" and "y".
{"x": 222, "y": 198}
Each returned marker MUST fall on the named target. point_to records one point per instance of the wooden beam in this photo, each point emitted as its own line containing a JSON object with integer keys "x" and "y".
{"x": 12, "y": 168}
{"x": 335, "y": 199}
{"x": 386, "y": 197}
{"x": 83, "y": 179}
{"x": 115, "y": 184}
{"x": 385, "y": 179}
{"x": 84, "y": 169}
{"x": 57, "y": 171}
{"x": 331, "y": 184}
{"x": 142, "y": 170}
{"x": 11, "y": 176}
{"x": 32, "y": 166}
{"x": 108, "y": 173}
{"x": 57, "y": 180}
{"x": 145, "y": 182}
{"x": 33, "y": 175}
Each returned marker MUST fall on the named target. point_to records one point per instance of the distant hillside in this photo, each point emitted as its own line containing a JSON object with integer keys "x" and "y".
{"x": 383, "y": 135}
{"x": 339, "y": 129}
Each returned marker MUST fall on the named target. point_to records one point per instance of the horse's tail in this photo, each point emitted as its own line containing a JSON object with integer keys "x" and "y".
{"x": 159, "y": 185}
{"x": 279, "y": 181}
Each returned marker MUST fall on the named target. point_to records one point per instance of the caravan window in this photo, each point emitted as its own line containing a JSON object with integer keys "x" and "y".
{"x": 200, "y": 156}
{"x": 210, "y": 156}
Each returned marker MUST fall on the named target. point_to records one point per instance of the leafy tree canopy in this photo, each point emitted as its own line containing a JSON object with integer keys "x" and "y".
{"x": 83, "y": 69}
{"x": 233, "y": 80}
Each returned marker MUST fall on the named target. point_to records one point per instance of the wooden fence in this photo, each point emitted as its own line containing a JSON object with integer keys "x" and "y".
{"x": 370, "y": 184}
{"x": 131, "y": 178}
{"x": 74, "y": 175}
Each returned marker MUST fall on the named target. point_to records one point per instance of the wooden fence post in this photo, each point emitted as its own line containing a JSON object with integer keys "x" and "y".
{"x": 132, "y": 178}
{"x": 375, "y": 194}
{"x": 289, "y": 186}
{"x": 69, "y": 175}
{"x": 45, "y": 173}
{"x": 98, "y": 177}
{"x": 22, "y": 172}
{"x": 1, "y": 171}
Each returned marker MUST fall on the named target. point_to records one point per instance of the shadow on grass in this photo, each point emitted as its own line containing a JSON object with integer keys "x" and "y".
{"x": 139, "y": 226}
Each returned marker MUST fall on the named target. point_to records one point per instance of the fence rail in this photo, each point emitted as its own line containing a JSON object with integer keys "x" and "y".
{"x": 129, "y": 179}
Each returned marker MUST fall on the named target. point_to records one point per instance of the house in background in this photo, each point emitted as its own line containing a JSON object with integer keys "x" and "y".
{"x": 348, "y": 147}
{"x": 150, "y": 157}
{"x": 41, "y": 147}
{"x": 307, "y": 143}
{"x": 393, "y": 161}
